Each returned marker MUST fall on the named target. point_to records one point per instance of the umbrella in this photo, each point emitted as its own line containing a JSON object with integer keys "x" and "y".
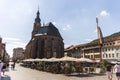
{"x": 67, "y": 58}
{"x": 27, "y": 60}
{"x": 84, "y": 60}
{"x": 37, "y": 59}
{"x": 44, "y": 59}
{"x": 53, "y": 59}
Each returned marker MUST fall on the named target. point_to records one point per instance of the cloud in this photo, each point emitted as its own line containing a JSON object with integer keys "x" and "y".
{"x": 67, "y": 27}
{"x": 54, "y": 23}
{"x": 11, "y": 39}
{"x": 67, "y": 45}
{"x": 95, "y": 31}
{"x": 104, "y": 13}
{"x": 12, "y": 43}
{"x": 88, "y": 40}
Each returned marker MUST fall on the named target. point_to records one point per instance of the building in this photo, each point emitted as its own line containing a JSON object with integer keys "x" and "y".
{"x": 45, "y": 42}
{"x": 3, "y": 53}
{"x": 110, "y": 50}
{"x": 18, "y": 54}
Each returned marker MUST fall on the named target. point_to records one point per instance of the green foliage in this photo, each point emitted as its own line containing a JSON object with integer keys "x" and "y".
{"x": 103, "y": 66}
{"x": 114, "y": 35}
{"x": 103, "y": 63}
{"x": 107, "y": 38}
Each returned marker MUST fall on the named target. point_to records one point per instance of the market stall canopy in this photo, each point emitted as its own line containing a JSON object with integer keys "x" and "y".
{"x": 29, "y": 60}
{"x": 53, "y": 59}
{"x": 84, "y": 60}
{"x": 37, "y": 60}
{"x": 67, "y": 58}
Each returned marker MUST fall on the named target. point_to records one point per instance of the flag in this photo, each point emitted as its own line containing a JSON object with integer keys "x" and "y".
{"x": 100, "y": 36}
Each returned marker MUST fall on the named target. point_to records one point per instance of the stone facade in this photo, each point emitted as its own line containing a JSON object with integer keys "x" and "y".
{"x": 3, "y": 53}
{"x": 18, "y": 54}
{"x": 46, "y": 41}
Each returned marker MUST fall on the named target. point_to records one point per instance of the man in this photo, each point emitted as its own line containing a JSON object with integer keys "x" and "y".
{"x": 117, "y": 71}
{"x": 1, "y": 65}
{"x": 109, "y": 71}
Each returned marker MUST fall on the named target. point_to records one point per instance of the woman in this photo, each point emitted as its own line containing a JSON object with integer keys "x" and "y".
{"x": 109, "y": 71}
{"x": 1, "y": 65}
{"x": 4, "y": 68}
{"x": 117, "y": 71}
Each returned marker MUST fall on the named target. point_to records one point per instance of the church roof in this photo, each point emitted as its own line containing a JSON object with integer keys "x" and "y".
{"x": 49, "y": 29}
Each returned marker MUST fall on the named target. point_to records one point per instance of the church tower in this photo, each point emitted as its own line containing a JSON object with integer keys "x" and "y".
{"x": 37, "y": 24}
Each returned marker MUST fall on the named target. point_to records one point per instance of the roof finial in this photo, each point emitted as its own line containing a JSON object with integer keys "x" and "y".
{"x": 38, "y": 13}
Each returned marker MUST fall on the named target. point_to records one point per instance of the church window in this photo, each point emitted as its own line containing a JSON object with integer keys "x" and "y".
{"x": 49, "y": 43}
{"x": 48, "y": 55}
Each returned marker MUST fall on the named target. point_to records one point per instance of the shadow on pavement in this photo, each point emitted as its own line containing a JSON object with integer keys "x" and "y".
{"x": 78, "y": 75}
{"x": 84, "y": 75}
{"x": 5, "y": 77}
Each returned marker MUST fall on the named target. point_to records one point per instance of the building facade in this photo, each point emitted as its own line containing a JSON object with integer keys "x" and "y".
{"x": 110, "y": 50}
{"x": 3, "y": 53}
{"x": 18, "y": 54}
{"x": 46, "y": 41}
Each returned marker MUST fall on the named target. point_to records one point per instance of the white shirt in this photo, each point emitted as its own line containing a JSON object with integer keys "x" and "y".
{"x": 117, "y": 68}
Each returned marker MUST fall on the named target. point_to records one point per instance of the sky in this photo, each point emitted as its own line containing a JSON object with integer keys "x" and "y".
{"x": 75, "y": 19}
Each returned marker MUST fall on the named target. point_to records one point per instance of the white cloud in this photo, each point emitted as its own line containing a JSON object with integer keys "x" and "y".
{"x": 95, "y": 31}
{"x": 88, "y": 40}
{"x": 11, "y": 45}
{"x": 67, "y": 45}
{"x": 104, "y": 13}
{"x": 54, "y": 23}
{"x": 11, "y": 39}
{"x": 67, "y": 27}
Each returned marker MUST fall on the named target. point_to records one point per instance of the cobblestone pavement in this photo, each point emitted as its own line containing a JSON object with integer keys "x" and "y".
{"x": 21, "y": 73}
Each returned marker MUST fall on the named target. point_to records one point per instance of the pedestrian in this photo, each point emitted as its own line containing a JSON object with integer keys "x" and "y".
{"x": 4, "y": 68}
{"x": 13, "y": 65}
{"x": 109, "y": 71}
{"x": 1, "y": 65}
{"x": 117, "y": 71}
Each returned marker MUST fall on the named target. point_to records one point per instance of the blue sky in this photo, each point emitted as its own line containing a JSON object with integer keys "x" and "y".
{"x": 75, "y": 19}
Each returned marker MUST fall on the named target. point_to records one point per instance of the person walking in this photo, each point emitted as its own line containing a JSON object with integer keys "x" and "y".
{"x": 109, "y": 71}
{"x": 13, "y": 65}
{"x": 1, "y": 65}
{"x": 117, "y": 71}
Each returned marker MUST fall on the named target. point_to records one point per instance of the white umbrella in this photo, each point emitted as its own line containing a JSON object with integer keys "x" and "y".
{"x": 44, "y": 59}
{"x": 32, "y": 60}
{"x": 37, "y": 59}
{"x": 27, "y": 60}
{"x": 84, "y": 60}
{"x": 53, "y": 59}
{"x": 67, "y": 58}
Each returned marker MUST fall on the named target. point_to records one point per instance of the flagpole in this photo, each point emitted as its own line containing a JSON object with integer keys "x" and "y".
{"x": 98, "y": 40}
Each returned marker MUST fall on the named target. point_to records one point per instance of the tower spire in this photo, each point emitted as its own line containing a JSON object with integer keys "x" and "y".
{"x": 37, "y": 24}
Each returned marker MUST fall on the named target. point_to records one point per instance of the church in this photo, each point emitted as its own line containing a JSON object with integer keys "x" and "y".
{"x": 45, "y": 42}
